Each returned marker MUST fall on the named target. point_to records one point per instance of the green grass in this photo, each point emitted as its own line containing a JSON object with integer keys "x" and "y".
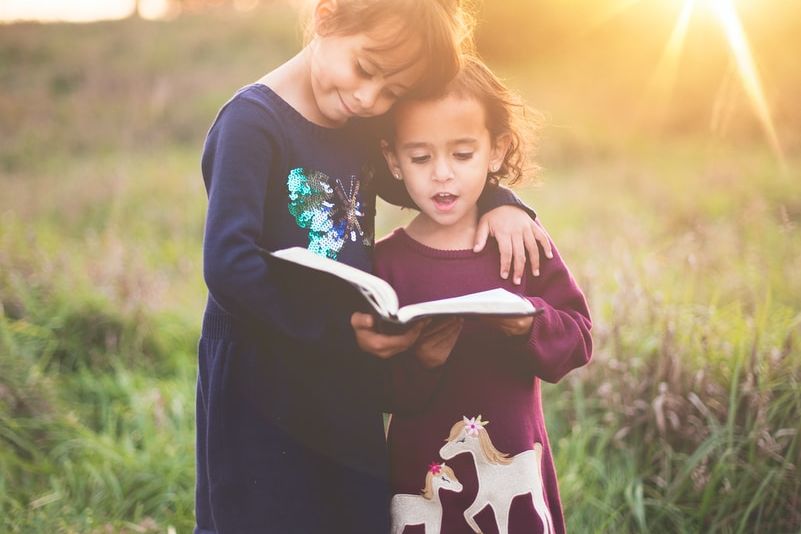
{"x": 688, "y": 247}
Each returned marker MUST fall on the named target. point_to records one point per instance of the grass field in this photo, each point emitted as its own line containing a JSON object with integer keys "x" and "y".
{"x": 686, "y": 241}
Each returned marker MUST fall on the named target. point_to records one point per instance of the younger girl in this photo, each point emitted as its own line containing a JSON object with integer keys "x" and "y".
{"x": 447, "y": 149}
{"x": 289, "y": 432}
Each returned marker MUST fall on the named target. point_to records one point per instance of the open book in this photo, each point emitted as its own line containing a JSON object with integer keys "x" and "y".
{"x": 383, "y": 299}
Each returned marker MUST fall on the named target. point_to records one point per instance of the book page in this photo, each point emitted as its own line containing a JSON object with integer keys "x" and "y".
{"x": 377, "y": 292}
{"x": 492, "y": 302}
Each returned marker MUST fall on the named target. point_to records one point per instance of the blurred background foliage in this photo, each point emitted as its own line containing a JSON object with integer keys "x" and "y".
{"x": 677, "y": 216}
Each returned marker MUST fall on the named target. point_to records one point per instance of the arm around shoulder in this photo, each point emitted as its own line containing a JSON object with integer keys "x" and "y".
{"x": 495, "y": 196}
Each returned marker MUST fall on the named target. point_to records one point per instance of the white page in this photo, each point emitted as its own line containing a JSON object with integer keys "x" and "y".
{"x": 494, "y": 301}
{"x": 376, "y": 290}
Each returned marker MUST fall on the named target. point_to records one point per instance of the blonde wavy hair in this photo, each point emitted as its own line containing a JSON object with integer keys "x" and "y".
{"x": 493, "y": 455}
{"x": 428, "y": 491}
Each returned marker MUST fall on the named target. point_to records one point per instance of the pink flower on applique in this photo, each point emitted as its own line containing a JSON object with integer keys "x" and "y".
{"x": 434, "y": 468}
{"x": 472, "y": 426}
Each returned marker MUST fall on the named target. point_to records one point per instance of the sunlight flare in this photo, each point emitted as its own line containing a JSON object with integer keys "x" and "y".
{"x": 664, "y": 78}
{"x": 666, "y": 73}
{"x": 612, "y": 10}
{"x": 746, "y": 68}
{"x": 74, "y": 11}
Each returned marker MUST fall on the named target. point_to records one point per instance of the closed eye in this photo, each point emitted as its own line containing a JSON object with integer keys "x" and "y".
{"x": 420, "y": 159}
{"x": 361, "y": 71}
{"x": 391, "y": 94}
{"x": 461, "y": 440}
{"x": 463, "y": 155}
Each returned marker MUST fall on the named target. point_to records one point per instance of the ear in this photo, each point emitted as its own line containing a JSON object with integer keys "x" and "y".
{"x": 322, "y": 14}
{"x": 499, "y": 150}
{"x": 391, "y": 159}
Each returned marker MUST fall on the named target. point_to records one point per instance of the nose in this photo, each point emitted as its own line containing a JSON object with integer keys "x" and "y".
{"x": 367, "y": 95}
{"x": 442, "y": 170}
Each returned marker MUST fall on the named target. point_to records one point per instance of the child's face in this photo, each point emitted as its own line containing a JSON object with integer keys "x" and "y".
{"x": 348, "y": 79}
{"x": 443, "y": 151}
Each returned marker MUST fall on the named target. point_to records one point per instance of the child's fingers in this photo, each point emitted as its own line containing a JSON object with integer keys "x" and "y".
{"x": 447, "y": 331}
{"x": 362, "y": 321}
{"x": 518, "y": 257}
{"x": 386, "y": 346}
{"x": 414, "y": 332}
{"x": 505, "y": 250}
{"x": 453, "y": 330}
{"x": 448, "y": 338}
{"x": 482, "y": 233}
{"x": 533, "y": 252}
{"x": 438, "y": 325}
{"x": 403, "y": 339}
{"x": 395, "y": 344}
{"x": 382, "y": 345}
{"x": 541, "y": 235}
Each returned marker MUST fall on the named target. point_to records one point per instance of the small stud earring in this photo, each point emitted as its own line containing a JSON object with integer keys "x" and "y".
{"x": 397, "y": 175}
{"x": 494, "y": 168}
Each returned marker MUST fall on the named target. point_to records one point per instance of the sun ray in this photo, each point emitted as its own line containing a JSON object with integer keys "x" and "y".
{"x": 725, "y": 101}
{"x": 746, "y": 68}
{"x": 664, "y": 77}
{"x": 612, "y": 10}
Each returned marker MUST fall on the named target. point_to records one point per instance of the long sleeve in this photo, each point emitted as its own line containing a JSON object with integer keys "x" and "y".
{"x": 238, "y": 158}
{"x": 560, "y": 338}
{"x": 495, "y": 196}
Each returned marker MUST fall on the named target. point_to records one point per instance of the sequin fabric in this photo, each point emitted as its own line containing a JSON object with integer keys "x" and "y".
{"x": 331, "y": 211}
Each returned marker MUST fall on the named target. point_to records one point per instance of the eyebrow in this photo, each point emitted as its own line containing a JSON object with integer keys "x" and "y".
{"x": 421, "y": 144}
{"x": 414, "y": 145}
{"x": 464, "y": 140}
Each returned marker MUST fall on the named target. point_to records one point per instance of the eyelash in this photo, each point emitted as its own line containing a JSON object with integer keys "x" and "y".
{"x": 362, "y": 72}
{"x": 461, "y": 156}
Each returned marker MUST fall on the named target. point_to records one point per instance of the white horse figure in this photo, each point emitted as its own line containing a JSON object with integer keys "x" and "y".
{"x": 500, "y": 479}
{"x": 424, "y": 509}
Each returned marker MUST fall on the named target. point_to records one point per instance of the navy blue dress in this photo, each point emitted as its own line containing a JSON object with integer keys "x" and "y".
{"x": 289, "y": 430}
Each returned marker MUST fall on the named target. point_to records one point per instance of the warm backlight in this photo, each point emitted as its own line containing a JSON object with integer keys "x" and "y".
{"x": 724, "y": 13}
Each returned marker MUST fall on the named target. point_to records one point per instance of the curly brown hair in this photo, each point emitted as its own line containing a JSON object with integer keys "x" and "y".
{"x": 505, "y": 113}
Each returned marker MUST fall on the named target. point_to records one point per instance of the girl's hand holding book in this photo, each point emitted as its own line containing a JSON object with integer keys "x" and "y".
{"x": 437, "y": 340}
{"x": 512, "y": 326}
{"x": 383, "y": 345}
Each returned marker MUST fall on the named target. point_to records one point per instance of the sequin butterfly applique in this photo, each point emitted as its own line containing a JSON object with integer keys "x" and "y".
{"x": 330, "y": 211}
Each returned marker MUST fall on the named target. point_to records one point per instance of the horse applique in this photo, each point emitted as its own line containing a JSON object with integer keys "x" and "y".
{"x": 500, "y": 478}
{"x": 424, "y": 509}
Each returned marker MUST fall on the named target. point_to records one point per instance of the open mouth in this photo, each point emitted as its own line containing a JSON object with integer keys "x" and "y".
{"x": 444, "y": 201}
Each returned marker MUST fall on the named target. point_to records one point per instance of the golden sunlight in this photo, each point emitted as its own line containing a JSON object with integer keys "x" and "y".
{"x": 664, "y": 77}
{"x": 75, "y": 11}
{"x": 746, "y": 68}
{"x": 80, "y": 10}
{"x": 724, "y": 12}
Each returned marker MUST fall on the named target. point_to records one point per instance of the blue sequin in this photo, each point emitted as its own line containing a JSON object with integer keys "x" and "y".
{"x": 330, "y": 212}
